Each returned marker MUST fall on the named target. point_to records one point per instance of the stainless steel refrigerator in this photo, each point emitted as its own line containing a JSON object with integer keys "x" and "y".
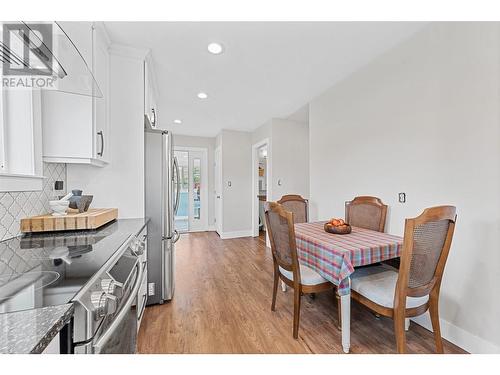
{"x": 162, "y": 201}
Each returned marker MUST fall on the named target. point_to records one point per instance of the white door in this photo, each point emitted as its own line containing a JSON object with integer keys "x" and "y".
{"x": 218, "y": 190}
{"x": 192, "y": 214}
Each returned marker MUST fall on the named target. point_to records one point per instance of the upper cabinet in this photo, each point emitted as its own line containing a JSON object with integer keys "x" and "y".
{"x": 150, "y": 94}
{"x": 76, "y": 127}
{"x": 20, "y": 141}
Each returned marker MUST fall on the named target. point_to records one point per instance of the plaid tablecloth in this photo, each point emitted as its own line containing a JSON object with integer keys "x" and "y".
{"x": 334, "y": 256}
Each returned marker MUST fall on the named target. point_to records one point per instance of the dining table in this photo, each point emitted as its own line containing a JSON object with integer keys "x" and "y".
{"x": 336, "y": 256}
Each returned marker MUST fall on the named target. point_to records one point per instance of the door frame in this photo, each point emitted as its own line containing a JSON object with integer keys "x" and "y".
{"x": 218, "y": 207}
{"x": 255, "y": 181}
{"x": 204, "y": 187}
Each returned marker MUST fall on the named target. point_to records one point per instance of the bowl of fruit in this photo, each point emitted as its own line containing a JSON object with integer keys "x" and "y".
{"x": 337, "y": 226}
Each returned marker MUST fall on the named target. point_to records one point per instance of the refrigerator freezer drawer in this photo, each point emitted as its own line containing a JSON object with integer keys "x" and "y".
{"x": 169, "y": 267}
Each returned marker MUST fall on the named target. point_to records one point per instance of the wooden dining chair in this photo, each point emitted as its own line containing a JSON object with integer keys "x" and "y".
{"x": 296, "y": 204}
{"x": 415, "y": 288}
{"x": 366, "y": 212}
{"x": 301, "y": 278}
{"x": 370, "y": 213}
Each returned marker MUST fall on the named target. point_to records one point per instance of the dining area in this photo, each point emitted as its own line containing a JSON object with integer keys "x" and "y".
{"x": 396, "y": 277}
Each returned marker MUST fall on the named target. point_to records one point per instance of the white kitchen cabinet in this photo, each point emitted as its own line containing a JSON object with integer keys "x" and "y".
{"x": 20, "y": 141}
{"x": 100, "y": 69}
{"x": 76, "y": 127}
{"x": 150, "y": 95}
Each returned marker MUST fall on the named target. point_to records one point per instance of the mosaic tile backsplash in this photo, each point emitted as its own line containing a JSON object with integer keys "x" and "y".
{"x": 17, "y": 205}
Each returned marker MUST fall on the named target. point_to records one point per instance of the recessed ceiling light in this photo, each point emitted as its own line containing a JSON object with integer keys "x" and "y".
{"x": 202, "y": 95}
{"x": 215, "y": 48}
{"x": 177, "y": 121}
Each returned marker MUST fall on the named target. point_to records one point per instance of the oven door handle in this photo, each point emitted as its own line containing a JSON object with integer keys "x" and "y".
{"x": 99, "y": 344}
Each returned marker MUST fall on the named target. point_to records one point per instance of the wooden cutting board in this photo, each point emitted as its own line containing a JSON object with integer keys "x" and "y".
{"x": 92, "y": 219}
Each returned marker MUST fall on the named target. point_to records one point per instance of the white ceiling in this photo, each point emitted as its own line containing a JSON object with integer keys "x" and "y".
{"x": 268, "y": 69}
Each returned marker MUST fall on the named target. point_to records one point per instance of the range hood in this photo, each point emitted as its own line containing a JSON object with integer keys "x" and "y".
{"x": 41, "y": 53}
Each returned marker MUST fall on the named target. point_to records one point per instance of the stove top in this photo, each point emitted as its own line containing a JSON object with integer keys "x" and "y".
{"x": 41, "y": 270}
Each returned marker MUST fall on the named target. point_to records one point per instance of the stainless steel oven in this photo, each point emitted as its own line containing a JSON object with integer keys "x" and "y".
{"x": 105, "y": 319}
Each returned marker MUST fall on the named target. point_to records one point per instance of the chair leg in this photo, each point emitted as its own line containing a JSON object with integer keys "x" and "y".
{"x": 434, "y": 313}
{"x": 296, "y": 312}
{"x": 339, "y": 310}
{"x": 399, "y": 331}
{"x": 275, "y": 290}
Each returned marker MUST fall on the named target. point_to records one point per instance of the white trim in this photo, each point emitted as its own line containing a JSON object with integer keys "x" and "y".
{"x": 219, "y": 214}
{"x": 74, "y": 160}
{"x": 189, "y": 148}
{"x": 3, "y": 165}
{"x": 152, "y": 73}
{"x": 255, "y": 181}
{"x": 32, "y": 133}
{"x": 20, "y": 182}
{"x": 236, "y": 234}
{"x": 458, "y": 336}
{"x": 37, "y": 133}
{"x": 128, "y": 51}
{"x": 211, "y": 228}
{"x": 102, "y": 27}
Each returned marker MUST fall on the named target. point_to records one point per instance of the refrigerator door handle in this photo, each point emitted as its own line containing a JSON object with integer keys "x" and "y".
{"x": 178, "y": 187}
{"x": 176, "y": 237}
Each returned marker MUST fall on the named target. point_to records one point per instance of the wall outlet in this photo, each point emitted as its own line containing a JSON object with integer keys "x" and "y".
{"x": 402, "y": 197}
{"x": 151, "y": 289}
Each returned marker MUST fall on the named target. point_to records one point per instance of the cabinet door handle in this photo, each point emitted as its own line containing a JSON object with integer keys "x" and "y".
{"x": 102, "y": 143}
{"x": 153, "y": 117}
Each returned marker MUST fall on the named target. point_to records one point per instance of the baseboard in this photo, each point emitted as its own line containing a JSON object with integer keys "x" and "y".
{"x": 211, "y": 228}
{"x": 458, "y": 336}
{"x": 236, "y": 234}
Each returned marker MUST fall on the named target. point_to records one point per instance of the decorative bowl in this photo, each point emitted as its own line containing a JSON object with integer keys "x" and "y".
{"x": 340, "y": 229}
{"x": 83, "y": 203}
{"x": 59, "y": 208}
{"x": 73, "y": 201}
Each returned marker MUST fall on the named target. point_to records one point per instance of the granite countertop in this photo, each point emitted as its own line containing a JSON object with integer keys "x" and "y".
{"x": 30, "y": 331}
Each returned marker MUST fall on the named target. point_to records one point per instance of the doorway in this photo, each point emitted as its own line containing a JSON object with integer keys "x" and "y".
{"x": 192, "y": 214}
{"x": 218, "y": 189}
{"x": 261, "y": 183}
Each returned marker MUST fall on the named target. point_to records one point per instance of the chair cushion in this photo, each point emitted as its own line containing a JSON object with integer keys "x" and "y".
{"x": 378, "y": 284}
{"x": 308, "y": 276}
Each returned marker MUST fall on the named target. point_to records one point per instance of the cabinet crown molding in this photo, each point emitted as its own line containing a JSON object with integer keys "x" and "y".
{"x": 128, "y": 51}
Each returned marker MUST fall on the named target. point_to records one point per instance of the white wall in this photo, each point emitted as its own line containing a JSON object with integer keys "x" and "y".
{"x": 237, "y": 169}
{"x": 209, "y": 144}
{"x": 121, "y": 183}
{"x": 289, "y": 150}
{"x": 262, "y": 132}
{"x": 290, "y": 158}
{"x": 424, "y": 119}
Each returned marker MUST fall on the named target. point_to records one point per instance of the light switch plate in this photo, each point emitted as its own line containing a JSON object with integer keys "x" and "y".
{"x": 151, "y": 289}
{"x": 402, "y": 197}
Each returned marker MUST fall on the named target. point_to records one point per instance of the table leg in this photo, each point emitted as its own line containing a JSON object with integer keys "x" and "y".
{"x": 345, "y": 302}
{"x": 283, "y": 286}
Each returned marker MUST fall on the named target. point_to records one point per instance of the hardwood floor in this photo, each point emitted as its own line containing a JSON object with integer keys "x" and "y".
{"x": 222, "y": 304}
